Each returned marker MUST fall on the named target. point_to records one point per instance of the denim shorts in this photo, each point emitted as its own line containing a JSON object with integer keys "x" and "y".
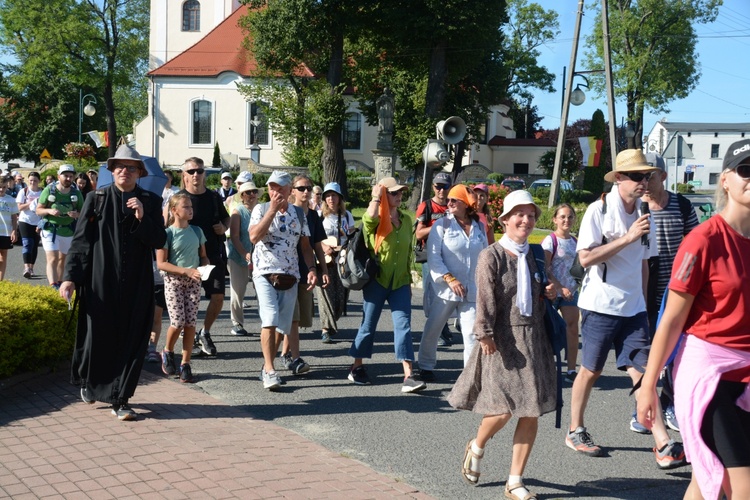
{"x": 561, "y": 302}
{"x": 275, "y": 307}
{"x": 629, "y": 335}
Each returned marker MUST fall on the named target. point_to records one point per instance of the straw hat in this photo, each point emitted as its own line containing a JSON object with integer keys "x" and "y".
{"x": 630, "y": 160}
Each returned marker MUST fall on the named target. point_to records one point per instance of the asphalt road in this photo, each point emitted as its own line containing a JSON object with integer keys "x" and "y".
{"x": 419, "y": 437}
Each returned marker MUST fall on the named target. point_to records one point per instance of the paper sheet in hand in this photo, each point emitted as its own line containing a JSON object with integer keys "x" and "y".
{"x": 205, "y": 271}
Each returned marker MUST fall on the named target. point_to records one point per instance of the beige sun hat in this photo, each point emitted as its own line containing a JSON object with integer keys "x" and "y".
{"x": 517, "y": 198}
{"x": 630, "y": 160}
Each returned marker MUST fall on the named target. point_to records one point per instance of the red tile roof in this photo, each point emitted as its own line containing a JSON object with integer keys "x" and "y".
{"x": 503, "y": 141}
{"x": 219, "y": 51}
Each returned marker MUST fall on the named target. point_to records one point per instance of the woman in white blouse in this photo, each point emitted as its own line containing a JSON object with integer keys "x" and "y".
{"x": 453, "y": 248}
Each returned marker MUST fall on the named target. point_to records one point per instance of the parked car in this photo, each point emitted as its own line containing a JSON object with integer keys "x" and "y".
{"x": 514, "y": 184}
{"x": 547, "y": 183}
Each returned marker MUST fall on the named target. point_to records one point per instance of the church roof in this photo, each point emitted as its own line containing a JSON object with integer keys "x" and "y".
{"x": 219, "y": 51}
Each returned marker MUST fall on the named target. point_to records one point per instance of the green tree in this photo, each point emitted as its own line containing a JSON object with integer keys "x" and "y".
{"x": 593, "y": 177}
{"x": 101, "y": 45}
{"x": 652, "y": 51}
{"x": 216, "y": 160}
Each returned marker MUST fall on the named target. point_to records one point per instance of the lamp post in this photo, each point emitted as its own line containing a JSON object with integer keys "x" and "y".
{"x": 254, "y": 148}
{"x": 84, "y": 108}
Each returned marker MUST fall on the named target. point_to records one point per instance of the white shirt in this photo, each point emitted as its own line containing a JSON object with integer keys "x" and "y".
{"x": 622, "y": 293}
{"x": 276, "y": 252}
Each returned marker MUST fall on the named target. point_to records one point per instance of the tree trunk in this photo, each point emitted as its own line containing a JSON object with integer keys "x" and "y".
{"x": 109, "y": 108}
{"x": 434, "y": 103}
{"x": 334, "y": 167}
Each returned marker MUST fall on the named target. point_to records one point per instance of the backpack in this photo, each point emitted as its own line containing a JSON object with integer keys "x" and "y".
{"x": 356, "y": 265}
{"x": 554, "y": 325}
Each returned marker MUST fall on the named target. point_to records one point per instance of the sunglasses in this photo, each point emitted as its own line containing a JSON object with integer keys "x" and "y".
{"x": 129, "y": 168}
{"x": 193, "y": 171}
{"x": 397, "y": 193}
{"x": 637, "y": 176}
{"x": 454, "y": 200}
{"x": 743, "y": 171}
{"x": 442, "y": 187}
{"x": 302, "y": 189}
{"x": 250, "y": 191}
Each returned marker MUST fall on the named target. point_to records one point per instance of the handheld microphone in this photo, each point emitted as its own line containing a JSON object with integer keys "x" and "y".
{"x": 644, "y": 210}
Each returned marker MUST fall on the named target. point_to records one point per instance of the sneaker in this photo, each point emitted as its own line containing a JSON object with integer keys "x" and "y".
{"x": 358, "y": 375}
{"x": 671, "y": 456}
{"x": 299, "y": 367}
{"x": 206, "y": 344}
{"x": 446, "y": 339}
{"x": 27, "y": 274}
{"x": 286, "y": 360}
{"x": 238, "y": 331}
{"x": 580, "y": 441}
{"x": 271, "y": 381}
{"x": 123, "y": 412}
{"x": 671, "y": 419}
{"x": 571, "y": 376}
{"x": 411, "y": 384}
{"x": 186, "y": 374}
{"x": 167, "y": 363}
{"x": 86, "y": 397}
{"x": 152, "y": 356}
{"x": 325, "y": 337}
{"x": 636, "y": 426}
{"x": 426, "y": 376}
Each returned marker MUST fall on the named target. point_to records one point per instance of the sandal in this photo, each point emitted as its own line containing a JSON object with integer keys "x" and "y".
{"x": 512, "y": 496}
{"x": 466, "y": 469}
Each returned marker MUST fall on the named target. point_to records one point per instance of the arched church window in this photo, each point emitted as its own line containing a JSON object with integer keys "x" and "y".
{"x": 191, "y": 15}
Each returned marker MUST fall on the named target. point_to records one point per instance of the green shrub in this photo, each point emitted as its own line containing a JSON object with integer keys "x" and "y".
{"x": 496, "y": 177}
{"x": 33, "y": 331}
{"x": 685, "y": 188}
{"x": 359, "y": 189}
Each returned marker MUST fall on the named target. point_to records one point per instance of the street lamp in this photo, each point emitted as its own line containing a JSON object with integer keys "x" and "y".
{"x": 254, "y": 148}
{"x": 85, "y": 107}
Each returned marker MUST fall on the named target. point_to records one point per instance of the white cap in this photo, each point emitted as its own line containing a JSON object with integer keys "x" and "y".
{"x": 244, "y": 176}
{"x": 226, "y": 175}
{"x": 66, "y": 167}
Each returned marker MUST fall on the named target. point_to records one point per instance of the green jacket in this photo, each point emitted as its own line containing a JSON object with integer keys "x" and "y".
{"x": 396, "y": 252}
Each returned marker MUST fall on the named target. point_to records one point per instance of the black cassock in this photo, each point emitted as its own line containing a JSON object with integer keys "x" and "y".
{"x": 110, "y": 263}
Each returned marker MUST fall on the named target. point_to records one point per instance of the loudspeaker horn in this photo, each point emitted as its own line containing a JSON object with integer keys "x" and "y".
{"x": 434, "y": 154}
{"x": 451, "y": 130}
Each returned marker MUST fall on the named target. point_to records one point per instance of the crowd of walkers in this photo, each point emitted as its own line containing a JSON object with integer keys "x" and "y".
{"x": 636, "y": 244}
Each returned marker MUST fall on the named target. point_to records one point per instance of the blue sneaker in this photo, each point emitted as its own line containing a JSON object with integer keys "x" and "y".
{"x": 636, "y": 426}
{"x": 671, "y": 419}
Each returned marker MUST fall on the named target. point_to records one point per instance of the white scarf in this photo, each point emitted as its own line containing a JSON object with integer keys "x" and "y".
{"x": 615, "y": 222}
{"x": 523, "y": 276}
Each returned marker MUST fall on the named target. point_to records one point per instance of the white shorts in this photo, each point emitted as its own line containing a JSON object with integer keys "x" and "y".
{"x": 61, "y": 243}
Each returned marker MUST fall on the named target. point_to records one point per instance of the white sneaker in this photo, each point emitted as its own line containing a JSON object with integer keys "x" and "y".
{"x": 271, "y": 381}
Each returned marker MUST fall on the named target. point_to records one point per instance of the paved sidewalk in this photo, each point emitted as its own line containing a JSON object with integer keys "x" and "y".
{"x": 185, "y": 444}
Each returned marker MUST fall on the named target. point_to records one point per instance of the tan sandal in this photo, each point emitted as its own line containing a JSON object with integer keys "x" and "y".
{"x": 512, "y": 496}
{"x": 466, "y": 469}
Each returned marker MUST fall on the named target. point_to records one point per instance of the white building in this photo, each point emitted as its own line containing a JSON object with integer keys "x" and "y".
{"x": 708, "y": 143}
{"x": 196, "y": 60}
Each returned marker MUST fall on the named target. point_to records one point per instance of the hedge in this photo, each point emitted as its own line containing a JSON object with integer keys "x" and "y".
{"x": 33, "y": 332}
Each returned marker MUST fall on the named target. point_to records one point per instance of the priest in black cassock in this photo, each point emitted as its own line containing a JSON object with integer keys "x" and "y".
{"x": 109, "y": 265}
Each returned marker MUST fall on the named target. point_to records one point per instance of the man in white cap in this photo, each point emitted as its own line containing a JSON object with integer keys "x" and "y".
{"x": 210, "y": 214}
{"x": 59, "y": 205}
{"x": 109, "y": 265}
{"x": 614, "y": 244}
{"x": 226, "y": 191}
{"x": 276, "y": 228}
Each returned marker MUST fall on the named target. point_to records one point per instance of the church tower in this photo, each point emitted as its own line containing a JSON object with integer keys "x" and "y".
{"x": 177, "y": 25}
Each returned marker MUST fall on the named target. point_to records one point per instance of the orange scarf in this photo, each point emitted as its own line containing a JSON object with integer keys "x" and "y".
{"x": 384, "y": 213}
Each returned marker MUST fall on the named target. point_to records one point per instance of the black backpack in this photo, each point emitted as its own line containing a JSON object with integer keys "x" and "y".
{"x": 356, "y": 265}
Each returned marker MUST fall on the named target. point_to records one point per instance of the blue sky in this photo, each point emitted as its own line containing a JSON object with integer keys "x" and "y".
{"x": 723, "y": 91}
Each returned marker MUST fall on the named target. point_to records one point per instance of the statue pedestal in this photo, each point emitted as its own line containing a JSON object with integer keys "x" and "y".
{"x": 385, "y": 163}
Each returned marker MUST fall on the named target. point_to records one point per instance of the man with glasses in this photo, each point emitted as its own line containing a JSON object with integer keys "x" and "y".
{"x": 674, "y": 217}
{"x": 110, "y": 265}
{"x": 276, "y": 228}
{"x": 59, "y": 205}
{"x": 614, "y": 244}
{"x": 426, "y": 216}
{"x": 210, "y": 214}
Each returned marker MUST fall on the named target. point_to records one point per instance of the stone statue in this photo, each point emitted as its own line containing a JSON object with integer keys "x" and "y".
{"x": 385, "y": 113}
